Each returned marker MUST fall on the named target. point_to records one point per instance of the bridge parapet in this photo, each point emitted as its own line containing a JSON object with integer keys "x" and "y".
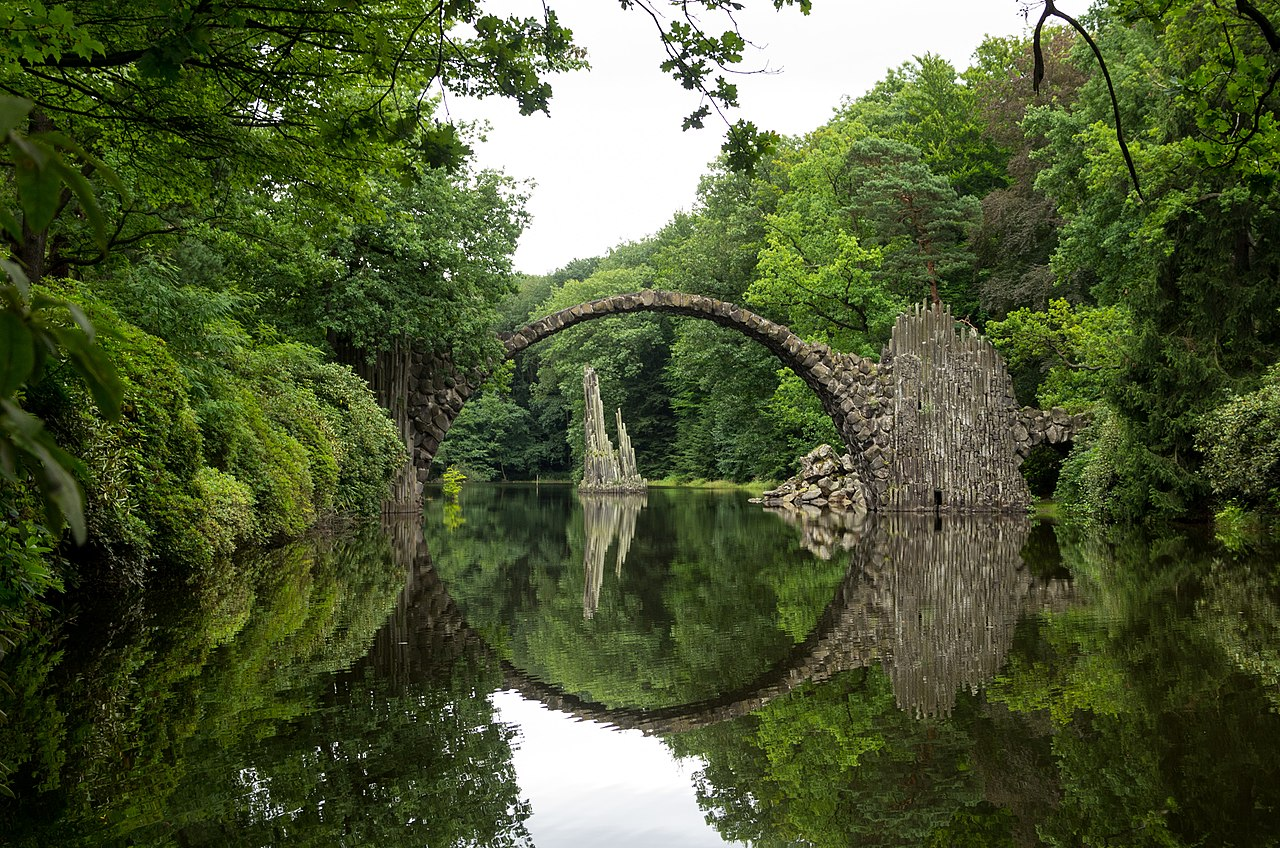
{"x": 1046, "y": 426}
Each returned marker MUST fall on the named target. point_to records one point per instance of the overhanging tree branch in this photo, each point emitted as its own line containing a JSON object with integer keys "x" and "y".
{"x": 1050, "y": 10}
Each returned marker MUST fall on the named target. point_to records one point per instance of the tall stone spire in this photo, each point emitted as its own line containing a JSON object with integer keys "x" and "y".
{"x": 605, "y": 469}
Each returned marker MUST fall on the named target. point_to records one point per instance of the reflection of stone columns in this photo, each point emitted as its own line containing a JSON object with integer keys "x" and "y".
{"x": 948, "y": 593}
{"x": 604, "y": 519}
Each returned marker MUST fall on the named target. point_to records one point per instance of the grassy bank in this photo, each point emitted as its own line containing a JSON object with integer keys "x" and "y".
{"x": 754, "y": 487}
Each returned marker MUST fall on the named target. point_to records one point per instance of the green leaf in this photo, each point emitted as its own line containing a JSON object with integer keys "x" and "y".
{"x": 17, "y": 276}
{"x": 82, "y": 320}
{"x": 62, "y": 141}
{"x": 93, "y": 366}
{"x": 39, "y": 187}
{"x": 13, "y": 113}
{"x": 9, "y": 223}
{"x": 29, "y": 445}
{"x": 17, "y": 353}
{"x": 88, "y": 201}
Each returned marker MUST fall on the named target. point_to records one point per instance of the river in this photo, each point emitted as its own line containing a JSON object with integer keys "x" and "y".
{"x": 532, "y": 667}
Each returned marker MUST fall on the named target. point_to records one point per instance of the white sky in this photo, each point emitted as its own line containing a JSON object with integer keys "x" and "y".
{"x": 611, "y": 163}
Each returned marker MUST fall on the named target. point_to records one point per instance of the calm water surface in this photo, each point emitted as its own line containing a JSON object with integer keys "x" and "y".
{"x": 531, "y": 667}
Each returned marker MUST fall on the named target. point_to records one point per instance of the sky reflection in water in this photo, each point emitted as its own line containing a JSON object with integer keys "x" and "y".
{"x": 591, "y": 785}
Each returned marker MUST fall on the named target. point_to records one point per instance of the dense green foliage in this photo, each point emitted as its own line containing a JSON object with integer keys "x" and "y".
{"x": 195, "y": 206}
{"x": 204, "y": 459}
{"x": 1155, "y": 311}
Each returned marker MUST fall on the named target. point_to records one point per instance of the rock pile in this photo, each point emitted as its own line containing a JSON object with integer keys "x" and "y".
{"x": 826, "y": 479}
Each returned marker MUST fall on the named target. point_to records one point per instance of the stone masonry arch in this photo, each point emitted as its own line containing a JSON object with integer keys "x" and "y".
{"x": 933, "y": 426}
{"x": 850, "y": 387}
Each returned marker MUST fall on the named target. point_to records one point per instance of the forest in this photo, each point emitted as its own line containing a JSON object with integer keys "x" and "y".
{"x": 1145, "y": 298}
{"x": 214, "y": 215}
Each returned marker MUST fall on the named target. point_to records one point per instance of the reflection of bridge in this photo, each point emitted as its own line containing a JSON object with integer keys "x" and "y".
{"x": 933, "y": 424}
{"x": 935, "y": 605}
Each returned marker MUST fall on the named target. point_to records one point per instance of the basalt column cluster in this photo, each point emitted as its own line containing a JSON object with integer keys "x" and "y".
{"x": 605, "y": 470}
{"x": 952, "y": 444}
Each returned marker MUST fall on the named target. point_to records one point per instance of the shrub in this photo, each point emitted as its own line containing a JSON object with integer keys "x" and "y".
{"x": 227, "y": 516}
{"x": 140, "y": 503}
{"x": 28, "y": 569}
{"x": 244, "y": 443}
{"x": 274, "y": 439}
{"x": 1241, "y": 444}
{"x": 365, "y": 443}
{"x": 453, "y": 480}
{"x": 306, "y": 435}
{"x": 1111, "y": 477}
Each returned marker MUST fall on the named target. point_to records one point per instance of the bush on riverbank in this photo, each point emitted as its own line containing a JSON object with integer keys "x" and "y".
{"x": 251, "y": 443}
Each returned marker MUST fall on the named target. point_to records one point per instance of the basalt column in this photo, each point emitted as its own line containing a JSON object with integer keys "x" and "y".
{"x": 423, "y": 393}
{"x": 953, "y": 415}
{"x": 605, "y": 469}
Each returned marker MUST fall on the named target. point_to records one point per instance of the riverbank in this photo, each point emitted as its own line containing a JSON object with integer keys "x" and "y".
{"x": 752, "y": 487}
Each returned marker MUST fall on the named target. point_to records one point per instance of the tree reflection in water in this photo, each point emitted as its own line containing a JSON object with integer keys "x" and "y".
{"x": 247, "y": 713}
{"x": 829, "y": 703}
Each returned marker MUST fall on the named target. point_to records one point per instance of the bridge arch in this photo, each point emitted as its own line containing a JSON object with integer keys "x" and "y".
{"x": 850, "y": 387}
{"x": 932, "y": 426}
{"x": 847, "y": 385}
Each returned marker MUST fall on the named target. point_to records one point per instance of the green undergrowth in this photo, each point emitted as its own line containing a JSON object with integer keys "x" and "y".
{"x": 1045, "y": 510}
{"x": 226, "y": 440}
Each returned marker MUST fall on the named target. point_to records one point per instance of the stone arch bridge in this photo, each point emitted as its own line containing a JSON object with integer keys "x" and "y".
{"x": 934, "y": 604}
{"x": 933, "y": 425}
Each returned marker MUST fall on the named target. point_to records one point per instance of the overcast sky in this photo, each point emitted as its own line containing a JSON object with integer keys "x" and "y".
{"x": 610, "y": 163}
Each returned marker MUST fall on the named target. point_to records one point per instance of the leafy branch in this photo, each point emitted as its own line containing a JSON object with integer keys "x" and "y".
{"x": 36, "y": 329}
{"x": 699, "y": 60}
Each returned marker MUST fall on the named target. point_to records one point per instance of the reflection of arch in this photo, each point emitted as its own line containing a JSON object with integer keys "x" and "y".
{"x": 934, "y": 425}
{"x": 935, "y": 603}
